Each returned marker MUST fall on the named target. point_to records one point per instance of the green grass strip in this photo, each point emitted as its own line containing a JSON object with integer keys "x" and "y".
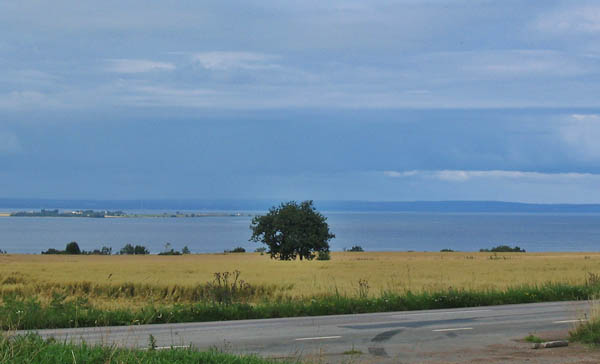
{"x": 587, "y": 332}
{"x": 19, "y": 313}
{"x": 33, "y": 349}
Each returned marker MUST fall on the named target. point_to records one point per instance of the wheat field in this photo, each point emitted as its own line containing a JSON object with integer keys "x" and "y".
{"x": 137, "y": 280}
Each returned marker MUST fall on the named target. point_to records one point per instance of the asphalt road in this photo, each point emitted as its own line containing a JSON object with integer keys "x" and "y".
{"x": 404, "y": 336}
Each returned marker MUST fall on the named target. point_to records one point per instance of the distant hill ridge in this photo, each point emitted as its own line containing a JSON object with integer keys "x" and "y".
{"x": 262, "y": 205}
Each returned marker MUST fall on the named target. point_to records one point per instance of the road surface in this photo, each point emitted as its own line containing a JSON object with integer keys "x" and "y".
{"x": 413, "y": 336}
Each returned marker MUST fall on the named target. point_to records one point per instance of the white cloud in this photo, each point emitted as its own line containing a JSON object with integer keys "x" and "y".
{"x": 465, "y": 175}
{"x": 397, "y": 174}
{"x": 581, "y": 19}
{"x": 9, "y": 143}
{"x": 163, "y": 95}
{"x": 520, "y": 62}
{"x": 29, "y": 78}
{"x": 232, "y": 60}
{"x": 581, "y": 132}
{"x": 138, "y": 66}
{"x": 589, "y": 117}
{"x": 26, "y": 99}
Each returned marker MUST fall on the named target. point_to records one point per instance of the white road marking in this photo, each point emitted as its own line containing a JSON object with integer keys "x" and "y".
{"x": 568, "y": 321}
{"x": 454, "y": 329}
{"x": 437, "y": 313}
{"x": 318, "y": 338}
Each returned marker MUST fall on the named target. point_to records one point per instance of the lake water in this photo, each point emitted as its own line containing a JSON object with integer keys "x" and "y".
{"x": 373, "y": 231}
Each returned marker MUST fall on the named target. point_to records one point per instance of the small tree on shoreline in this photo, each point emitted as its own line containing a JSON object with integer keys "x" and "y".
{"x": 72, "y": 248}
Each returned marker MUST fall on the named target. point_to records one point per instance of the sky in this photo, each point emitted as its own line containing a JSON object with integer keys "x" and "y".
{"x": 327, "y": 100}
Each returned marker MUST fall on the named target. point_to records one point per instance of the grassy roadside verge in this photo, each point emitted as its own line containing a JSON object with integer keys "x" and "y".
{"x": 587, "y": 331}
{"x": 24, "y": 314}
{"x": 33, "y": 349}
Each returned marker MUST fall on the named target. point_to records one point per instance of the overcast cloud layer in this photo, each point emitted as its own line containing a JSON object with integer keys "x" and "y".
{"x": 352, "y": 100}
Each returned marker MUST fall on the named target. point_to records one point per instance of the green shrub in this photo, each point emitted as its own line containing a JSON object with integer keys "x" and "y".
{"x": 324, "y": 255}
{"x": 356, "y": 248}
{"x": 504, "y": 249}
{"x": 73, "y": 248}
{"x": 588, "y": 331}
{"x": 131, "y": 250}
{"x": 105, "y": 250}
{"x": 238, "y": 249}
{"x": 534, "y": 339}
{"x": 170, "y": 252}
{"x": 53, "y": 251}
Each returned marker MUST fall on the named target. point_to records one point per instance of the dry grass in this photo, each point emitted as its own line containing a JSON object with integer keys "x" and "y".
{"x": 134, "y": 280}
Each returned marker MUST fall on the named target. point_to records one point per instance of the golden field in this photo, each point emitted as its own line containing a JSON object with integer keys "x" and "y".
{"x": 138, "y": 280}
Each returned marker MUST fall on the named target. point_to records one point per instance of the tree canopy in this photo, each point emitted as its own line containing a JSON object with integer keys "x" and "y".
{"x": 137, "y": 250}
{"x": 73, "y": 248}
{"x": 292, "y": 230}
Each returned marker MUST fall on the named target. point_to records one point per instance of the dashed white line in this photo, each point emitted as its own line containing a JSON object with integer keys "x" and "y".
{"x": 453, "y": 329}
{"x": 318, "y": 338}
{"x": 568, "y": 321}
{"x": 437, "y": 313}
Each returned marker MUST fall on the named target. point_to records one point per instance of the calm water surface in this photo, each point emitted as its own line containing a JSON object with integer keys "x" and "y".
{"x": 373, "y": 231}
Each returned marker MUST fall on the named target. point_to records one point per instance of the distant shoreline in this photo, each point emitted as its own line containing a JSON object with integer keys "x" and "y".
{"x": 100, "y": 214}
{"x": 321, "y": 205}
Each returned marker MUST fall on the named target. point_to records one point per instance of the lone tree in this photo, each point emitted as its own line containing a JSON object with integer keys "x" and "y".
{"x": 72, "y": 248}
{"x": 292, "y": 230}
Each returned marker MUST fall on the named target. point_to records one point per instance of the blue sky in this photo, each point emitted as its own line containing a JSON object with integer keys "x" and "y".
{"x": 336, "y": 100}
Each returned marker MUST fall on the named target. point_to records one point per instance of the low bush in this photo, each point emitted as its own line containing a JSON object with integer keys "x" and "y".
{"x": 71, "y": 248}
{"x": 504, "y": 249}
{"x": 588, "y": 331}
{"x": 53, "y": 251}
{"x": 238, "y": 249}
{"x": 170, "y": 252}
{"x": 324, "y": 255}
{"x": 533, "y": 339}
{"x": 129, "y": 249}
{"x": 105, "y": 250}
{"x": 356, "y": 248}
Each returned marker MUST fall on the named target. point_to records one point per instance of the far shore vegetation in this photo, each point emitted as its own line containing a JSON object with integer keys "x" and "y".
{"x": 115, "y": 214}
